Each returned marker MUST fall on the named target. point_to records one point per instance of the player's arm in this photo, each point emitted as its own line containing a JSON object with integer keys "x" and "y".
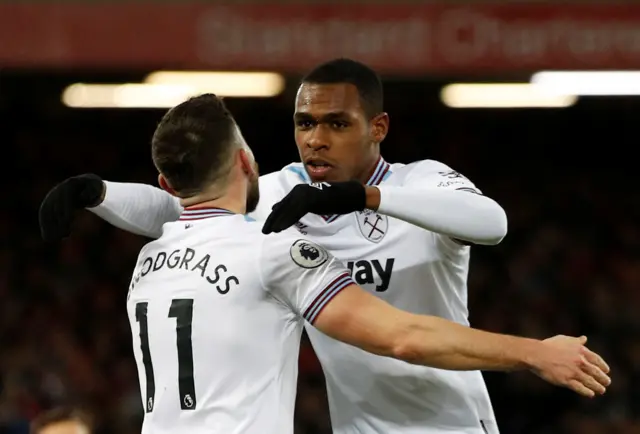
{"x": 358, "y": 318}
{"x": 441, "y": 200}
{"x": 138, "y": 208}
{"x": 143, "y": 209}
{"x": 432, "y": 197}
{"x": 307, "y": 279}
{"x": 363, "y": 320}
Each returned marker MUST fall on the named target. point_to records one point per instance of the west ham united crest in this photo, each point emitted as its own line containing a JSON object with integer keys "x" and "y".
{"x": 373, "y": 226}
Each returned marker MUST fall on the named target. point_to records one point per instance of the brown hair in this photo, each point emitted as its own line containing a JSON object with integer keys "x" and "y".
{"x": 192, "y": 144}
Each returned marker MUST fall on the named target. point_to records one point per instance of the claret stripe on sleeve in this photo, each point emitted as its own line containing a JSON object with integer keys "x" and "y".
{"x": 326, "y": 295}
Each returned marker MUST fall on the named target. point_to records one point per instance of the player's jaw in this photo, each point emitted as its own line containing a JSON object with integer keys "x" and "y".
{"x": 253, "y": 190}
{"x": 253, "y": 196}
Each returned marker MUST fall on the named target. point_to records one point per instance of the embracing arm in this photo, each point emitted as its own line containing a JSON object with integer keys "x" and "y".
{"x": 427, "y": 194}
{"x": 138, "y": 208}
{"x": 460, "y": 214}
{"x": 359, "y": 318}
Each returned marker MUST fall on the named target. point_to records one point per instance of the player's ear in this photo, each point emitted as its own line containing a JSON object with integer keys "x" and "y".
{"x": 164, "y": 184}
{"x": 380, "y": 127}
{"x": 247, "y": 164}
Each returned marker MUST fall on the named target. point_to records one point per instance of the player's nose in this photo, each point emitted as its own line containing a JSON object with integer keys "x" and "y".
{"x": 317, "y": 140}
{"x": 317, "y": 144}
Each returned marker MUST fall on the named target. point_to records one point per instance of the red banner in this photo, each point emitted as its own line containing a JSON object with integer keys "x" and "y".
{"x": 400, "y": 39}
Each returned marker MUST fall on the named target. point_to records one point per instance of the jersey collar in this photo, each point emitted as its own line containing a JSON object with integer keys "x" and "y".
{"x": 203, "y": 213}
{"x": 379, "y": 174}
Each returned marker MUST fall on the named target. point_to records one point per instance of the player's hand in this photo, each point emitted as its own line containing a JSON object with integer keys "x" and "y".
{"x": 566, "y": 361}
{"x": 320, "y": 198}
{"x": 59, "y": 205}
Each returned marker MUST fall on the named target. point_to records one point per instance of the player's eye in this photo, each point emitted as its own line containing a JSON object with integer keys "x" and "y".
{"x": 304, "y": 124}
{"x": 339, "y": 125}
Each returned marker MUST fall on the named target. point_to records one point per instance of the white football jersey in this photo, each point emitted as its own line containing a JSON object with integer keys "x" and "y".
{"x": 415, "y": 270}
{"x": 217, "y": 311}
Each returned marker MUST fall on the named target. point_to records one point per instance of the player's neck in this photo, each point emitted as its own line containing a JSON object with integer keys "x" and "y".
{"x": 221, "y": 203}
{"x": 229, "y": 200}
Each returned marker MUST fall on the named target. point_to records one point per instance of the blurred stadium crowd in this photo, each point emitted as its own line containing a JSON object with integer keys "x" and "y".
{"x": 570, "y": 264}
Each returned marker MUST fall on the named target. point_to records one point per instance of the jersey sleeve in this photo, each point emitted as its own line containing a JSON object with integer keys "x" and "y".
{"x": 301, "y": 274}
{"x": 138, "y": 208}
{"x": 439, "y": 199}
{"x": 433, "y": 174}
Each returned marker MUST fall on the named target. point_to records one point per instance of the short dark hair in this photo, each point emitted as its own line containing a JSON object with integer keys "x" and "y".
{"x": 365, "y": 79}
{"x": 57, "y": 415}
{"x": 192, "y": 143}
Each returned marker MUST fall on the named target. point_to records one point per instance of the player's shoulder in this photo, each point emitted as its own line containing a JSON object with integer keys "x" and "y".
{"x": 291, "y": 174}
{"x": 251, "y": 228}
{"x": 290, "y": 246}
{"x": 425, "y": 166}
{"x": 149, "y": 247}
{"x": 208, "y": 231}
{"x": 272, "y": 243}
{"x": 402, "y": 171}
{"x": 275, "y": 186}
{"x": 152, "y": 248}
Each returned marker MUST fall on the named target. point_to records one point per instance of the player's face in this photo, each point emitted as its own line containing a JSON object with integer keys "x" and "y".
{"x": 335, "y": 139}
{"x": 253, "y": 191}
{"x": 65, "y": 427}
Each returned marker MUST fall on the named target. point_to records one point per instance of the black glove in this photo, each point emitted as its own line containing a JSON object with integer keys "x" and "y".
{"x": 59, "y": 205}
{"x": 322, "y": 199}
